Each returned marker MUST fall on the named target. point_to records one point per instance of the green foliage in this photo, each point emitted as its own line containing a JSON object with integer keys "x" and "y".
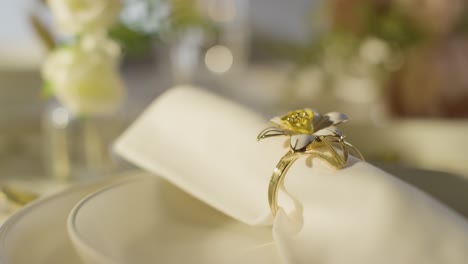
{"x": 136, "y": 36}
{"x": 462, "y": 26}
{"x": 185, "y": 14}
{"x": 393, "y": 26}
{"x": 133, "y": 43}
{"x": 47, "y": 89}
{"x": 370, "y": 20}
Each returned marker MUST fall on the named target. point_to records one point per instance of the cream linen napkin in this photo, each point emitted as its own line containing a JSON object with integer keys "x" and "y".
{"x": 207, "y": 146}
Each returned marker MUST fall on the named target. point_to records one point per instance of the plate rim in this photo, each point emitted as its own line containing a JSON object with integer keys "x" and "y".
{"x": 78, "y": 242}
{"x": 13, "y": 219}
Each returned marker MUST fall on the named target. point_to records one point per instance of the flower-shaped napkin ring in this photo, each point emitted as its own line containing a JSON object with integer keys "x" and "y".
{"x": 311, "y": 134}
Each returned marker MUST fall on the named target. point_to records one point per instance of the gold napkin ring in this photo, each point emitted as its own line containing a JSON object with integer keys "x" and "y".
{"x": 311, "y": 134}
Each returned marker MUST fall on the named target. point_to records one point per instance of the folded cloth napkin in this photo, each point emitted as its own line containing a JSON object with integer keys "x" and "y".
{"x": 206, "y": 145}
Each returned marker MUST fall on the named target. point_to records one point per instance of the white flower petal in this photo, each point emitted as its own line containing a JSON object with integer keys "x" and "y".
{"x": 329, "y": 131}
{"x": 300, "y": 141}
{"x": 276, "y": 120}
{"x": 317, "y": 118}
{"x": 331, "y": 119}
{"x": 337, "y": 117}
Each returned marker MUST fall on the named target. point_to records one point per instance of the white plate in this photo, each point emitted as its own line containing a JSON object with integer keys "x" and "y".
{"x": 37, "y": 233}
{"x": 147, "y": 220}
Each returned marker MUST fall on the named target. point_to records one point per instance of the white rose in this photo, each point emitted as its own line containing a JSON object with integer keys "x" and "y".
{"x": 80, "y": 16}
{"x": 85, "y": 77}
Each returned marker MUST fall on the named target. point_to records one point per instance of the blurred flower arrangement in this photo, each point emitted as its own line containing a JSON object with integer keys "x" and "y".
{"x": 81, "y": 70}
{"x": 412, "y": 53}
{"x": 143, "y": 22}
{"x": 83, "y": 73}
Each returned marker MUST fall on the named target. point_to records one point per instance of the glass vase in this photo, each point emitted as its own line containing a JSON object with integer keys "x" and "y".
{"x": 77, "y": 148}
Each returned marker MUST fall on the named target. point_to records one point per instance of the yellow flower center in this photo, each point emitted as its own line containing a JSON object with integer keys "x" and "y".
{"x": 299, "y": 121}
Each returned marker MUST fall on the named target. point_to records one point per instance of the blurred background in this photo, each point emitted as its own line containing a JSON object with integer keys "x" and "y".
{"x": 397, "y": 67}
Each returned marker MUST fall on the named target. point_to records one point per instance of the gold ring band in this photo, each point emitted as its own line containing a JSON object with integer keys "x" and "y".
{"x": 276, "y": 181}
